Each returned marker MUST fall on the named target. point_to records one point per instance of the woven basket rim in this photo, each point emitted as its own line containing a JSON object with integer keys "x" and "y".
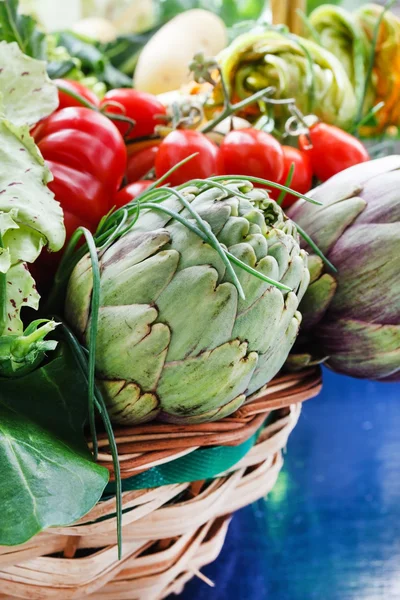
{"x": 145, "y": 446}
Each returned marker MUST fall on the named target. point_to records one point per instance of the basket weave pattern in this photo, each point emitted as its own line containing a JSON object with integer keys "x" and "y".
{"x": 170, "y": 532}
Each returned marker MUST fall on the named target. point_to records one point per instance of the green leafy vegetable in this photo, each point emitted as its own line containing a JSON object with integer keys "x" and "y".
{"x": 30, "y": 218}
{"x": 48, "y": 476}
{"x": 27, "y": 94}
{"x": 22, "y": 29}
{"x": 34, "y": 42}
{"x": 123, "y": 53}
{"x": 93, "y": 60}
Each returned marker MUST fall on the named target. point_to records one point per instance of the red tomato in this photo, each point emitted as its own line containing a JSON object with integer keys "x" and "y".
{"x": 142, "y": 107}
{"x": 86, "y": 141}
{"x": 332, "y": 150}
{"x": 251, "y": 152}
{"x": 180, "y": 144}
{"x": 130, "y": 191}
{"x": 140, "y": 163}
{"x": 302, "y": 175}
{"x": 81, "y": 194}
{"x": 66, "y": 100}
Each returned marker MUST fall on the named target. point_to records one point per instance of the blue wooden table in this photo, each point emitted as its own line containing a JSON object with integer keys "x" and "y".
{"x": 330, "y": 530}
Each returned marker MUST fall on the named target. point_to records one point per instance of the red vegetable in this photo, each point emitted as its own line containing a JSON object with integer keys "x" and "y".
{"x": 143, "y": 108}
{"x": 78, "y": 88}
{"x": 140, "y": 163}
{"x": 251, "y": 152}
{"x": 92, "y": 148}
{"x": 302, "y": 175}
{"x": 87, "y": 156}
{"x": 130, "y": 191}
{"x": 180, "y": 144}
{"x": 332, "y": 150}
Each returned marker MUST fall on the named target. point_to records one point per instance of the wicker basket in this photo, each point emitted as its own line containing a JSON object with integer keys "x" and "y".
{"x": 169, "y": 532}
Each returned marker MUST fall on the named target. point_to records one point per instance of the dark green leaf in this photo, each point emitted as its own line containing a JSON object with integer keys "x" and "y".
{"x": 113, "y": 78}
{"x": 123, "y": 52}
{"x": 21, "y": 29}
{"x": 57, "y": 70}
{"x": 48, "y": 475}
{"x": 87, "y": 52}
{"x": 93, "y": 60}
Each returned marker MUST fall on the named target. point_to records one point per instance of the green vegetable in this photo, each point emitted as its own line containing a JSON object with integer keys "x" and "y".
{"x": 22, "y": 29}
{"x": 30, "y": 218}
{"x": 339, "y": 32}
{"x": 353, "y": 316}
{"x": 197, "y": 304}
{"x": 296, "y": 68}
{"x": 93, "y": 61}
{"x": 48, "y": 476}
{"x": 33, "y": 41}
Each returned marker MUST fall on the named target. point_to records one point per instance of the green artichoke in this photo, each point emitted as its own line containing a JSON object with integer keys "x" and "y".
{"x": 175, "y": 339}
{"x": 297, "y": 68}
{"x": 353, "y": 317}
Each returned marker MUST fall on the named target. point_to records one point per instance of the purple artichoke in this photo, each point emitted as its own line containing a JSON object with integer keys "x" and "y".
{"x": 352, "y": 317}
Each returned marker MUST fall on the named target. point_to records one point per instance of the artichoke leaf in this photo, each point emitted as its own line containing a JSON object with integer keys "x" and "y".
{"x": 212, "y": 320}
{"x": 193, "y": 250}
{"x": 361, "y": 253}
{"x": 317, "y": 300}
{"x": 131, "y": 345}
{"x": 208, "y": 381}
{"x": 367, "y": 350}
{"x": 270, "y": 364}
{"x": 126, "y": 402}
{"x": 337, "y": 218}
{"x": 141, "y": 283}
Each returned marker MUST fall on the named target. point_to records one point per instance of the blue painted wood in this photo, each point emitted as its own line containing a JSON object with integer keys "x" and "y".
{"x": 330, "y": 530}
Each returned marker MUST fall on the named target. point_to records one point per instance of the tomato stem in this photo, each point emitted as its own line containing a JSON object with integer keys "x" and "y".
{"x": 230, "y": 109}
{"x": 77, "y": 97}
{"x": 86, "y": 104}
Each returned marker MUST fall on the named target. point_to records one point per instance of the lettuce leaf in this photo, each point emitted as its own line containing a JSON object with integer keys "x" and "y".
{"x": 27, "y": 93}
{"x": 30, "y": 217}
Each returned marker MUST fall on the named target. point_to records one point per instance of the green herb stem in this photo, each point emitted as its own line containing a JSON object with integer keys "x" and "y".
{"x": 82, "y": 362}
{"x": 95, "y": 306}
{"x": 265, "y": 182}
{"x": 288, "y": 181}
{"x": 315, "y": 248}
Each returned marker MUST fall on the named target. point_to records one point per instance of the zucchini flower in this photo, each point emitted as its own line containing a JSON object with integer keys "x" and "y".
{"x": 295, "y": 68}
{"x": 197, "y": 303}
{"x": 352, "y": 317}
{"x": 339, "y": 31}
{"x": 386, "y": 69}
